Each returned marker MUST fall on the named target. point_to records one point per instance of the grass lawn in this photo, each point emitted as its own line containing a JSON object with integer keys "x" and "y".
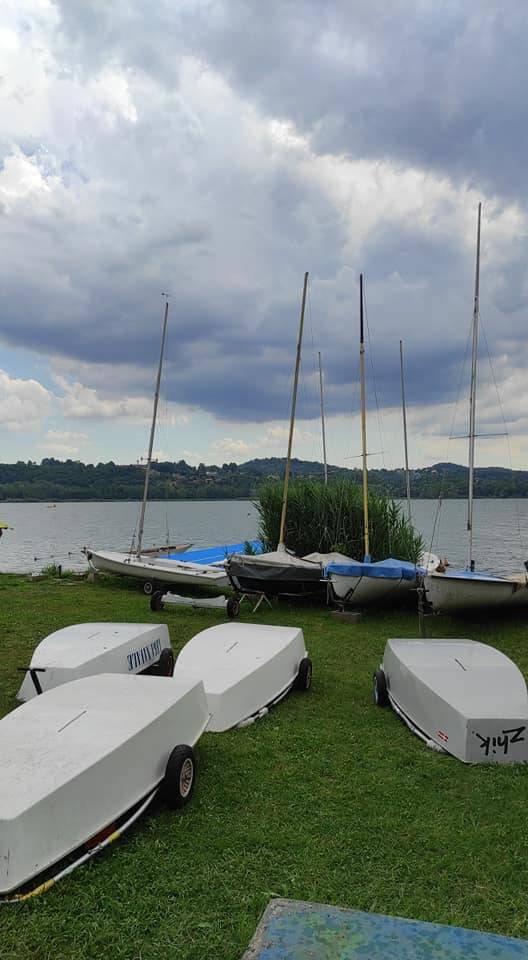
{"x": 327, "y": 799}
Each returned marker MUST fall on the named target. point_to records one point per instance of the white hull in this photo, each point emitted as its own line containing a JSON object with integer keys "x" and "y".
{"x": 86, "y": 649}
{"x": 363, "y": 591}
{"x": 79, "y": 756}
{"x": 520, "y": 597}
{"x": 244, "y": 668}
{"x": 154, "y": 569}
{"x": 448, "y": 593}
{"x": 463, "y": 697}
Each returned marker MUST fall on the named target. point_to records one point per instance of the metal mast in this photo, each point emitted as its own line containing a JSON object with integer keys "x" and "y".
{"x": 152, "y": 433}
{"x": 404, "y": 412}
{"x": 473, "y": 398}
{"x": 363, "y": 421}
{"x": 292, "y": 418}
{"x": 323, "y": 419}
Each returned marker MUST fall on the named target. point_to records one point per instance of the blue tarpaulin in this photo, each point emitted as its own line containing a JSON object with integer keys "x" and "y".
{"x": 214, "y": 554}
{"x": 294, "y": 930}
{"x": 389, "y": 569}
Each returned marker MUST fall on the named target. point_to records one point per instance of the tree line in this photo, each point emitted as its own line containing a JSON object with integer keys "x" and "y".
{"x": 55, "y": 480}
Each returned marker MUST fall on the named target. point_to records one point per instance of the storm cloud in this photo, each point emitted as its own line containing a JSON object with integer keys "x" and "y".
{"x": 217, "y": 150}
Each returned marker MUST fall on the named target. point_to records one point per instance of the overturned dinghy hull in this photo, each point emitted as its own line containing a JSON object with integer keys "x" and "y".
{"x": 460, "y": 696}
{"x": 86, "y": 649}
{"x": 81, "y": 755}
{"x": 245, "y": 668}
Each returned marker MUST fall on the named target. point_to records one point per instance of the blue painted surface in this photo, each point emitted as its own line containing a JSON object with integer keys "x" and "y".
{"x": 389, "y": 569}
{"x": 294, "y": 930}
{"x": 214, "y": 554}
{"x": 472, "y": 575}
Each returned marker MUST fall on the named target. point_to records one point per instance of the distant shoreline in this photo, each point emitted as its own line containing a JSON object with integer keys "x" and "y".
{"x": 70, "y": 481}
{"x": 248, "y": 499}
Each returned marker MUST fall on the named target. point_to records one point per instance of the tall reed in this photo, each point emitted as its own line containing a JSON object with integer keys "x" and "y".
{"x": 325, "y": 518}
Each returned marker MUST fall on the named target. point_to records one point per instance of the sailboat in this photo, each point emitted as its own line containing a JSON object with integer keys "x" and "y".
{"x": 280, "y": 572}
{"x": 447, "y": 589}
{"x": 359, "y": 584}
{"x": 172, "y": 564}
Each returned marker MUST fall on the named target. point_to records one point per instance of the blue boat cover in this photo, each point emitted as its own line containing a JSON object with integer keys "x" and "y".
{"x": 214, "y": 554}
{"x": 295, "y": 930}
{"x": 389, "y": 569}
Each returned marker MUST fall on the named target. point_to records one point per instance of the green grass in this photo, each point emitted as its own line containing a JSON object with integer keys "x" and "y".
{"x": 327, "y": 799}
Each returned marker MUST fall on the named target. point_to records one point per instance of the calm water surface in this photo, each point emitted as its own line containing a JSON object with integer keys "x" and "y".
{"x": 43, "y": 534}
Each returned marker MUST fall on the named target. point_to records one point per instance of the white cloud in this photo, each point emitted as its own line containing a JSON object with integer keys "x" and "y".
{"x": 272, "y": 440}
{"x": 232, "y": 448}
{"x": 192, "y": 457}
{"x": 84, "y": 403}
{"x": 149, "y": 149}
{"x": 62, "y": 443}
{"x": 23, "y": 403}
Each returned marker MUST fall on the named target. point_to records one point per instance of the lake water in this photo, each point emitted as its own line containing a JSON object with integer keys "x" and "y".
{"x": 43, "y": 534}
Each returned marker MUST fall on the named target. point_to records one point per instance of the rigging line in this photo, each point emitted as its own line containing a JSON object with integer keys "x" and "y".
{"x": 444, "y": 471}
{"x": 315, "y": 363}
{"x": 315, "y": 445}
{"x": 167, "y": 428}
{"x": 505, "y": 425}
{"x": 371, "y": 359}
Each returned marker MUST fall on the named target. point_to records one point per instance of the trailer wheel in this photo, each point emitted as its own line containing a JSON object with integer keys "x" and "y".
{"x": 303, "y": 680}
{"x": 166, "y": 663}
{"x": 381, "y": 697}
{"x": 179, "y": 776}
{"x": 156, "y": 603}
{"x": 233, "y": 607}
{"x": 148, "y": 588}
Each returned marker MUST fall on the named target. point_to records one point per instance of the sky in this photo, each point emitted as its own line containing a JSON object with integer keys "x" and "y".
{"x": 215, "y": 150}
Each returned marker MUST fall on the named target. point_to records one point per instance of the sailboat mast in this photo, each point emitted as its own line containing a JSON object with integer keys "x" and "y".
{"x": 152, "y": 434}
{"x": 323, "y": 419}
{"x": 292, "y": 418}
{"x": 363, "y": 421}
{"x": 473, "y": 399}
{"x": 404, "y": 412}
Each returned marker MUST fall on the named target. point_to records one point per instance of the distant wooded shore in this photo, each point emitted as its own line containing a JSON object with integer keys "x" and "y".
{"x": 70, "y": 480}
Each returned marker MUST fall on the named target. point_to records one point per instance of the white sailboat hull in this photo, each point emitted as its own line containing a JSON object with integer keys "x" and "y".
{"x": 244, "y": 667}
{"x": 165, "y": 571}
{"x": 447, "y": 593}
{"x": 461, "y": 696}
{"x": 520, "y": 597}
{"x": 363, "y": 591}
{"x": 86, "y": 649}
{"x": 81, "y": 755}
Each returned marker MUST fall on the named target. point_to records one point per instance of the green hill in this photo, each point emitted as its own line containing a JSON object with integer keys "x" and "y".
{"x": 177, "y": 480}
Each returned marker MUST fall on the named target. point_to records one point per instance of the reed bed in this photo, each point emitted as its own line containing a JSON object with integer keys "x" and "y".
{"x": 325, "y": 518}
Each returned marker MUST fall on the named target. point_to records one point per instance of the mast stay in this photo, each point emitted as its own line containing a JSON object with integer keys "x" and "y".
{"x": 281, "y": 545}
{"x": 473, "y": 399}
{"x": 323, "y": 419}
{"x": 367, "y": 557}
{"x": 152, "y": 432}
{"x": 404, "y": 412}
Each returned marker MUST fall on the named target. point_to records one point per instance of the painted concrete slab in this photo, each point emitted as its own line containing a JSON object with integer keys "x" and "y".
{"x": 295, "y": 930}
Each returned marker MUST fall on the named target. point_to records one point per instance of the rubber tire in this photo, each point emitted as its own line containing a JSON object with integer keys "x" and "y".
{"x": 381, "y": 696}
{"x": 233, "y": 607}
{"x": 172, "y": 784}
{"x": 148, "y": 588}
{"x": 304, "y": 675}
{"x": 166, "y": 663}
{"x": 155, "y": 601}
